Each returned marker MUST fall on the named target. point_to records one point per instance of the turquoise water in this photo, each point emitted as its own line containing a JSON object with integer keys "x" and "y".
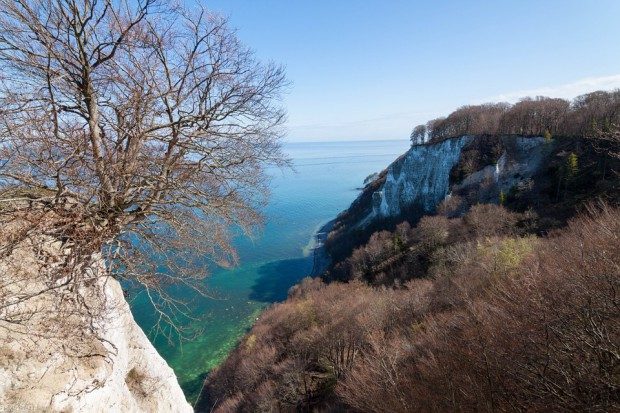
{"x": 325, "y": 180}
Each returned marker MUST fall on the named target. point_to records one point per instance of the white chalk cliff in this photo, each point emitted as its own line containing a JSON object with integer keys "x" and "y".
{"x": 421, "y": 177}
{"x": 53, "y": 360}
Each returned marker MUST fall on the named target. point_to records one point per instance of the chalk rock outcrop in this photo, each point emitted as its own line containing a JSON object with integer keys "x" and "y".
{"x": 421, "y": 177}
{"x": 68, "y": 349}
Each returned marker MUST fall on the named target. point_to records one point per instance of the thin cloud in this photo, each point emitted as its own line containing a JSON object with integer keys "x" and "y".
{"x": 398, "y": 124}
{"x": 565, "y": 91}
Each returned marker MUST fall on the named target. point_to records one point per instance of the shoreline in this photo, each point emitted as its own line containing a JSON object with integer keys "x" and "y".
{"x": 320, "y": 258}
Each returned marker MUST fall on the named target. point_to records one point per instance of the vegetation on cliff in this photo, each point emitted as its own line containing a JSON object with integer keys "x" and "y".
{"x": 508, "y": 305}
{"x": 505, "y": 322}
{"x": 586, "y": 115}
{"x": 134, "y": 140}
{"x": 586, "y": 131}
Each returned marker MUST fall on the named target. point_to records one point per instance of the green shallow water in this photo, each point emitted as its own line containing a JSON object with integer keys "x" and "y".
{"x": 324, "y": 182}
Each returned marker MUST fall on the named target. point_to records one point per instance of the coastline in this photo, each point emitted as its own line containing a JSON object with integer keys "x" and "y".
{"x": 320, "y": 259}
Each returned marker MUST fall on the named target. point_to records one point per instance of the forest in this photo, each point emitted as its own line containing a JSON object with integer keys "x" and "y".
{"x": 502, "y": 322}
{"x": 585, "y": 115}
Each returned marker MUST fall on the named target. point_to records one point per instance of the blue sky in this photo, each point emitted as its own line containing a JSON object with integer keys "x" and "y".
{"x": 372, "y": 69}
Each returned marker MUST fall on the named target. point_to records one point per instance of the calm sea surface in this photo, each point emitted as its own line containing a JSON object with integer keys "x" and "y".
{"x": 324, "y": 182}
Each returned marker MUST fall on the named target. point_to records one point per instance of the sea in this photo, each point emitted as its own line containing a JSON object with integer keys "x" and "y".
{"x": 325, "y": 178}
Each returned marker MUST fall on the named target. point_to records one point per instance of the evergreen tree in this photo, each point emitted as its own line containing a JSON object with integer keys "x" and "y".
{"x": 572, "y": 165}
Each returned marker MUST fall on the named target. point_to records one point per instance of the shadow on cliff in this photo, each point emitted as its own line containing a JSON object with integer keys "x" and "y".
{"x": 277, "y": 277}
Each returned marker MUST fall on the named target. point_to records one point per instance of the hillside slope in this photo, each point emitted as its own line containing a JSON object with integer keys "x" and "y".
{"x": 507, "y": 323}
{"x": 492, "y": 307}
{"x": 523, "y": 173}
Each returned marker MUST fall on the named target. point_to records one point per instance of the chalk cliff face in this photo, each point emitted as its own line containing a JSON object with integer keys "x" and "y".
{"x": 477, "y": 169}
{"x": 421, "y": 178}
{"x": 73, "y": 363}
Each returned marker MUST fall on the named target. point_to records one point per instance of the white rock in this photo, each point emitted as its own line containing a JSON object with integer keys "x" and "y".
{"x": 120, "y": 371}
{"x": 420, "y": 178}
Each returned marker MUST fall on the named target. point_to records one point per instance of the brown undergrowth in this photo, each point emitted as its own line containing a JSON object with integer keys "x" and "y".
{"x": 503, "y": 321}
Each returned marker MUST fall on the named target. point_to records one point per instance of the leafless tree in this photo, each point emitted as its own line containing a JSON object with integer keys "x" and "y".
{"x": 435, "y": 129}
{"x": 593, "y": 115}
{"x": 594, "y": 112}
{"x": 607, "y": 140}
{"x": 535, "y": 116}
{"x": 418, "y": 135}
{"x": 136, "y": 129}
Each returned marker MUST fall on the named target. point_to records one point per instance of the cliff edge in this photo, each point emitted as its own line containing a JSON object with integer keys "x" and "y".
{"x": 78, "y": 350}
{"x": 474, "y": 169}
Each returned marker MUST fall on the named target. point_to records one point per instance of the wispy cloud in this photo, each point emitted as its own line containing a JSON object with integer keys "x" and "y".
{"x": 566, "y": 91}
{"x": 398, "y": 124}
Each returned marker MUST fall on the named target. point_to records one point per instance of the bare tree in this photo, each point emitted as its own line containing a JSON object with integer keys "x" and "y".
{"x": 418, "y": 135}
{"x": 595, "y": 115}
{"x": 435, "y": 129}
{"x": 137, "y": 129}
{"x": 595, "y": 112}
{"x": 535, "y": 116}
{"x": 607, "y": 140}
